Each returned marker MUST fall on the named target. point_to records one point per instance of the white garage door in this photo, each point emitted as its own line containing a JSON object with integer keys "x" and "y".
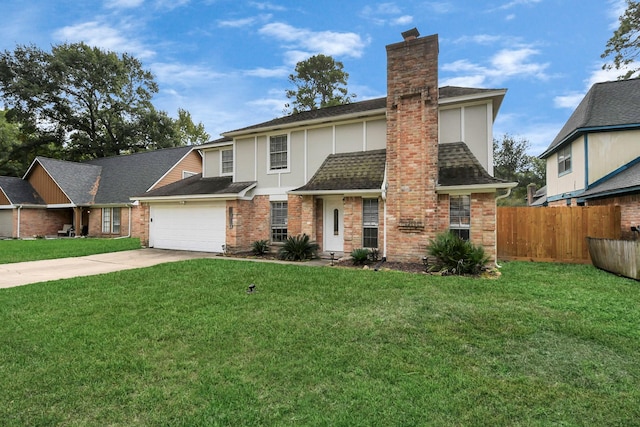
{"x": 6, "y": 223}
{"x": 191, "y": 227}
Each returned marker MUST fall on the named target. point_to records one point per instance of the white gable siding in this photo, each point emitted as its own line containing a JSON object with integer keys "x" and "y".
{"x": 245, "y": 161}
{"x": 471, "y": 124}
{"x": 376, "y": 134}
{"x": 211, "y": 163}
{"x": 609, "y": 151}
{"x": 568, "y": 182}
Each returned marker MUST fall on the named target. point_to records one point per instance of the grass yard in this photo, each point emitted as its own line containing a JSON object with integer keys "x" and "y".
{"x": 183, "y": 344}
{"x": 34, "y": 250}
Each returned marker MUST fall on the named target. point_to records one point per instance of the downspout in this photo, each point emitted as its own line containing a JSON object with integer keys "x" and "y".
{"x": 18, "y": 230}
{"x": 385, "y": 186}
{"x": 128, "y": 235}
{"x": 495, "y": 221}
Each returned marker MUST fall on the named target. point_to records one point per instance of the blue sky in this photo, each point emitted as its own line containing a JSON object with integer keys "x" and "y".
{"x": 227, "y": 61}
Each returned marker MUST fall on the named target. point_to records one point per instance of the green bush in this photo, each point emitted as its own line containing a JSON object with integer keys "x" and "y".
{"x": 455, "y": 255}
{"x": 298, "y": 248}
{"x": 260, "y": 247}
{"x": 374, "y": 254}
{"x": 360, "y": 256}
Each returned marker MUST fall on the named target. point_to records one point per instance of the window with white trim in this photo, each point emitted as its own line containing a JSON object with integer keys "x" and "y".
{"x": 278, "y": 153}
{"x": 370, "y": 223}
{"x": 460, "y": 216}
{"x": 111, "y": 220}
{"x": 564, "y": 160}
{"x": 226, "y": 161}
{"x": 279, "y": 222}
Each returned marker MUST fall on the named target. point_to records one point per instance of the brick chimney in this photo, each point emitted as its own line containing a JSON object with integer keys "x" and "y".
{"x": 412, "y": 145}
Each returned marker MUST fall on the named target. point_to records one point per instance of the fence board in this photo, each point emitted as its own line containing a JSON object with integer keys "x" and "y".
{"x": 554, "y": 234}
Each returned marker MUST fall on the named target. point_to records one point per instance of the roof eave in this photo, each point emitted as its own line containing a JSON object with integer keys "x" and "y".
{"x": 370, "y": 191}
{"x": 310, "y": 122}
{"x": 475, "y": 188}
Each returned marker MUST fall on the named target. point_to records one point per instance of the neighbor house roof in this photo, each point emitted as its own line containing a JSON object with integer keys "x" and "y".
{"x": 362, "y": 170}
{"x": 362, "y": 108}
{"x": 607, "y": 105}
{"x": 217, "y": 187}
{"x": 126, "y": 175}
{"x": 626, "y": 180}
{"x": 457, "y": 166}
{"x": 19, "y": 191}
{"x": 78, "y": 181}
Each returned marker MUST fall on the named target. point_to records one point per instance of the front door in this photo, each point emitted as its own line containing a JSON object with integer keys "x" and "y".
{"x": 333, "y": 225}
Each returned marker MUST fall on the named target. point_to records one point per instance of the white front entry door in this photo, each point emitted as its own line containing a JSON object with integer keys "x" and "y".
{"x": 333, "y": 225}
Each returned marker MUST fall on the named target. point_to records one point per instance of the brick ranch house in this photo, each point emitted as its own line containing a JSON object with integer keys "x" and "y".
{"x": 387, "y": 173}
{"x": 92, "y": 197}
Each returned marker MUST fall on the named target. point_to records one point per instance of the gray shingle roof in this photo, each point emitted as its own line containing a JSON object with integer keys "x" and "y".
{"x": 124, "y": 176}
{"x": 606, "y": 105}
{"x": 19, "y": 191}
{"x": 353, "y": 108}
{"x": 365, "y": 170}
{"x": 78, "y": 180}
{"x": 197, "y": 185}
{"x": 362, "y": 170}
{"x": 458, "y": 166}
{"x": 626, "y": 181}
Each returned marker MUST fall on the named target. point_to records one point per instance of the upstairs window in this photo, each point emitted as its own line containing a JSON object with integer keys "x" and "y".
{"x": 226, "y": 162}
{"x": 460, "y": 216}
{"x": 279, "y": 222}
{"x": 278, "y": 153}
{"x": 564, "y": 160}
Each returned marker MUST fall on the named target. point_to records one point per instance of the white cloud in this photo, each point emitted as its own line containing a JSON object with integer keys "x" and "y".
{"x": 100, "y": 35}
{"x": 482, "y": 39}
{"x": 441, "y": 7}
{"x": 237, "y": 23}
{"x": 268, "y": 6}
{"x": 326, "y": 42}
{"x": 515, "y": 3}
{"x": 182, "y": 74}
{"x": 570, "y": 100}
{"x": 123, "y": 4}
{"x": 384, "y": 13}
{"x": 506, "y": 64}
{"x": 268, "y": 72}
{"x": 615, "y": 10}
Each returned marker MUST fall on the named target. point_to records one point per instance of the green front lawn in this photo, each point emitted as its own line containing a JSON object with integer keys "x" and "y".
{"x": 184, "y": 344}
{"x": 33, "y": 250}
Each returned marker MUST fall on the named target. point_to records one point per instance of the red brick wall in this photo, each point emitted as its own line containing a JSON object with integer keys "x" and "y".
{"x": 294, "y": 215}
{"x": 352, "y": 224}
{"x": 140, "y": 223}
{"x": 629, "y": 212}
{"x": 43, "y": 222}
{"x": 319, "y": 209}
{"x": 308, "y": 216}
{"x": 483, "y": 222}
{"x": 412, "y": 146}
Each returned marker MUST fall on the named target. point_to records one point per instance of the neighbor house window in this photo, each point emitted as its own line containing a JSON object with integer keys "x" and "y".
{"x": 460, "y": 215}
{"x": 278, "y": 153}
{"x": 564, "y": 160}
{"x": 226, "y": 159}
{"x": 278, "y": 221}
{"x": 370, "y": 223}
{"x": 111, "y": 220}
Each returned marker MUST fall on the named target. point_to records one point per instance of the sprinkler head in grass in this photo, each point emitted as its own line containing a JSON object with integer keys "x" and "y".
{"x": 251, "y": 289}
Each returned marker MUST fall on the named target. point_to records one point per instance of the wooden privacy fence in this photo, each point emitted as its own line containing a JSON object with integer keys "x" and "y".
{"x": 554, "y": 234}
{"x": 617, "y": 256}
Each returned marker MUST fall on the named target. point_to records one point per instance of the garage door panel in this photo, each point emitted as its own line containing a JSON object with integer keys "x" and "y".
{"x": 194, "y": 227}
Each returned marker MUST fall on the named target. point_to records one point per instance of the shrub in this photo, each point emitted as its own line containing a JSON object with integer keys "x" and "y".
{"x": 456, "y": 256}
{"x": 298, "y": 248}
{"x": 260, "y": 247}
{"x": 360, "y": 256}
{"x": 374, "y": 254}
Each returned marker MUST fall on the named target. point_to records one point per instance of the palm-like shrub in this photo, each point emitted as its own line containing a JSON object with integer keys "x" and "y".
{"x": 360, "y": 256}
{"x": 260, "y": 247}
{"x": 455, "y": 255}
{"x": 298, "y": 248}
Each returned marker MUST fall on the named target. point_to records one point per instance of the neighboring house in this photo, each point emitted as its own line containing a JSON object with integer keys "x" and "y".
{"x": 595, "y": 158}
{"x": 91, "y": 196}
{"x": 387, "y": 173}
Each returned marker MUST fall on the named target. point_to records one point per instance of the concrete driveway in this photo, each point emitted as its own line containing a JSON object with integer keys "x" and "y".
{"x": 23, "y": 273}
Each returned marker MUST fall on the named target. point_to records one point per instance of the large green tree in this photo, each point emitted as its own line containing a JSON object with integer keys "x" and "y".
{"x": 88, "y": 102}
{"x": 512, "y": 163}
{"x": 319, "y": 81}
{"x": 624, "y": 46}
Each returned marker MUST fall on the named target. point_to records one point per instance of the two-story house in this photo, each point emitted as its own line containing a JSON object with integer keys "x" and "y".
{"x": 595, "y": 158}
{"x": 387, "y": 173}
